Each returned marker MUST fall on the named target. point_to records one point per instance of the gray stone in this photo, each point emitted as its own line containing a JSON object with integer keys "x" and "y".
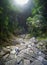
{"x": 2, "y": 62}
{"x": 36, "y": 62}
{"x": 26, "y": 62}
{"x": 41, "y": 54}
{"x": 44, "y": 62}
{"x": 33, "y": 40}
{"x": 20, "y": 60}
{"x": 12, "y": 56}
{"x": 11, "y": 62}
{"x": 6, "y": 56}
{"x": 40, "y": 58}
{"x": 6, "y": 49}
{"x": 2, "y": 52}
{"x": 27, "y": 54}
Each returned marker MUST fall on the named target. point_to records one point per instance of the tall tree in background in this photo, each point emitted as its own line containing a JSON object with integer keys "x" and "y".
{"x": 38, "y": 22}
{"x": 7, "y": 19}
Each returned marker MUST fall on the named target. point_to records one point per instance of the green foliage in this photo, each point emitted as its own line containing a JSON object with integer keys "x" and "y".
{"x": 8, "y": 21}
{"x": 36, "y": 25}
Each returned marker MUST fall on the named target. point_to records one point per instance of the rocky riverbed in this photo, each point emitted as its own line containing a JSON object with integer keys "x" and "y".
{"x": 25, "y": 52}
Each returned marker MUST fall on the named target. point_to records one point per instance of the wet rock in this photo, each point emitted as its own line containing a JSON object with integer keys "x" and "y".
{"x": 2, "y": 52}
{"x": 26, "y": 62}
{"x": 35, "y": 50}
{"x": 27, "y": 54}
{"x": 2, "y": 62}
{"x": 13, "y": 51}
{"x": 44, "y": 62}
{"x": 6, "y": 56}
{"x": 41, "y": 46}
{"x": 6, "y": 49}
{"x": 20, "y": 40}
{"x": 12, "y": 56}
{"x": 40, "y": 43}
{"x": 11, "y": 62}
{"x": 36, "y": 62}
{"x": 22, "y": 47}
{"x": 23, "y": 36}
{"x": 33, "y": 40}
{"x": 29, "y": 46}
{"x": 40, "y": 58}
{"x": 41, "y": 54}
{"x": 45, "y": 52}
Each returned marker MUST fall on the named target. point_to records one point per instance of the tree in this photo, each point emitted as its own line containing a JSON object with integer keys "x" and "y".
{"x": 37, "y": 23}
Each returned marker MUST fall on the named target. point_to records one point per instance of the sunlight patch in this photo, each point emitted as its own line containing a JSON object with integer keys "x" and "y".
{"x": 21, "y": 2}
